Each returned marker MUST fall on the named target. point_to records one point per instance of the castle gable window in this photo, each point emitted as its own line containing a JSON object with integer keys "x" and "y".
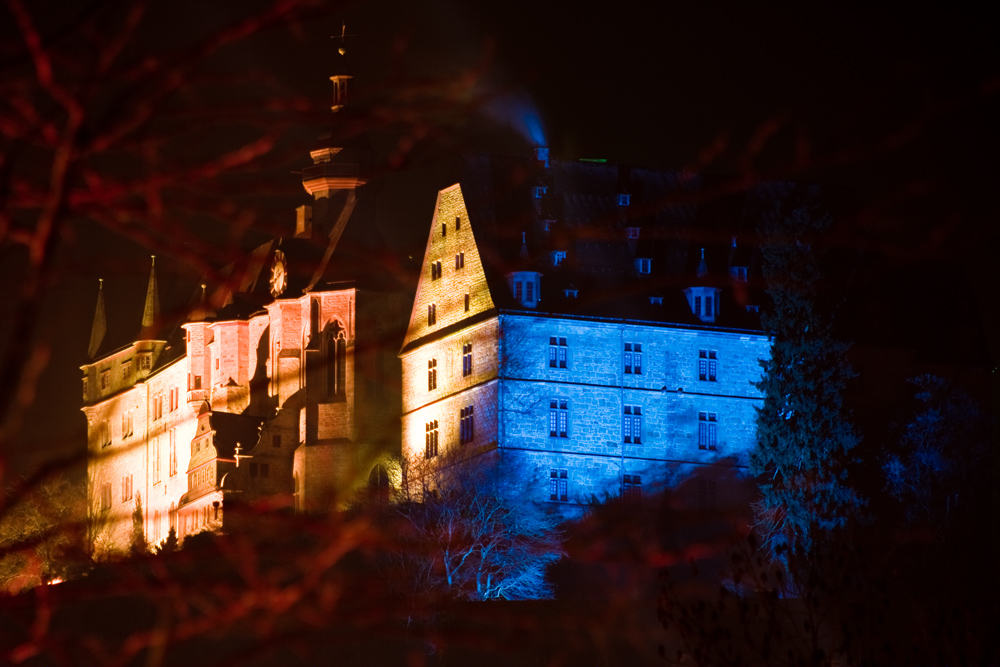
{"x": 145, "y": 361}
{"x": 431, "y": 440}
{"x": 467, "y": 359}
{"x": 558, "y": 352}
{"x": 707, "y": 365}
{"x": 558, "y": 418}
{"x": 633, "y": 358}
{"x": 739, "y": 273}
{"x": 466, "y": 425}
{"x": 105, "y": 380}
{"x": 632, "y": 424}
{"x": 460, "y": 260}
{"x": 558, "y": 257}
{"x": 105, "y": 496}
{"x": 632, "y": 488}
{"x": 558, "y": 485}
{"x": 632, "y": 232}
{"x": 624, "y": 200}
{"x": 526, "y": 287}
{"x": 707, "y": 431}
{"x": 432, "y": 374}
{"x": 435, "y": 270}
{"x": 643, "y": 265}
{"x": 432, "y": 315}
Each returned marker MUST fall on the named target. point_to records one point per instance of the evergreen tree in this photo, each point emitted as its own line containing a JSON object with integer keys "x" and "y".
{"x": 803, "y": 432}
{"x": 139, "y": 546}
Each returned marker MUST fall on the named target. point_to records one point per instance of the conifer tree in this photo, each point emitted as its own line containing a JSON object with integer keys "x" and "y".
{"x": 139, "y": 546}
{"x": 803, "y": 431}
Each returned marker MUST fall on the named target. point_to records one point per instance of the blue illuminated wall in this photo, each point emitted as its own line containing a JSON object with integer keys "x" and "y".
{"x": 675, "y": 403}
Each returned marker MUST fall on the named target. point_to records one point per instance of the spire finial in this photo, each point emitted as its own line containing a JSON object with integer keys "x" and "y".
{"x": 152, "y": 309}
{"x": 100, "y": 327}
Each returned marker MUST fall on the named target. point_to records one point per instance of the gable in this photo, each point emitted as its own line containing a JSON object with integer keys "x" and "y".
{"x": 440, "y": 300}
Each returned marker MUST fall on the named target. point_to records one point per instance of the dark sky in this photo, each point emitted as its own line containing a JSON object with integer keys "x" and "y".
{"x": 898, "y": 109}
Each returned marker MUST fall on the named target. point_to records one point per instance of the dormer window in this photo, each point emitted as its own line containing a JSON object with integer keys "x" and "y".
{"x": 538, "y": 191}
{"x": 704, "y": 302}
{"x": 571, "y": 293}
{"x": 739, "y": 273}
{"x": 624, "y": 200}
{"x": 526, "y": 287}
{"x": 558, "y": 256}
{"x": 643, "y": 265}
{"x": 633, "y": 232}
{"x": 656, "y": 300}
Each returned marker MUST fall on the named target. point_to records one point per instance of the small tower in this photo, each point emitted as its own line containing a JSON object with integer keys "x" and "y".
{"x": 151, "y": 311}
{"x": 340, "y": 76}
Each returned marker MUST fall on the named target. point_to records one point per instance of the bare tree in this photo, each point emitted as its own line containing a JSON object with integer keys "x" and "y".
{"x": 485, "y": 540}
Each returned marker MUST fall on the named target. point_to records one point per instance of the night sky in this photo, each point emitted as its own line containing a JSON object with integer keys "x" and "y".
{"x": 898, "y": 110}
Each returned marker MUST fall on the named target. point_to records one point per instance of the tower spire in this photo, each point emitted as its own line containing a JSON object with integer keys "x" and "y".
{"x": 152, "y": 310}
{"x": 341, "y": 73}
{"x": 100, "y": 327}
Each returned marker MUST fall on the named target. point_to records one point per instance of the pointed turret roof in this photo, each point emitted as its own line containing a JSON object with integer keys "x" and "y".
{"x": 151, "y": 312}
{"x": 100, "y": 327}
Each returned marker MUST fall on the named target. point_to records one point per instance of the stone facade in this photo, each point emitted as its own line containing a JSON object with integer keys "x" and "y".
{"x": 587, "y": 402}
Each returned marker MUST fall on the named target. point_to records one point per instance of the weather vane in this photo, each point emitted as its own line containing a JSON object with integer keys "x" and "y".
{"x": 343, "y": 38}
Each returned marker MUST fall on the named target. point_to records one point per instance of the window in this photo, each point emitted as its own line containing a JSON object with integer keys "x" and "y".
{"x": 126, "y": 424}
{"x": 753, "y": 309}
{"x": 643, "y": 265}
{"x": 558, "y": 418}
{"x": 632, "y": 488}
{"x": 458, "y": 222}
{"x": 265, "y": 470}
{"x": 708, "y": 306}
{"x": 517, "y": 290}
{"x": 104, "y": 433}
{"x": 466, "y": 303}
{"x": 276, "y": 441}
{"x": 467, "y": 359}
{"x": 632, "y": 232}
{"x": 432, "y": 374}
{"x": 538, "y": 191}
{"x": 157, "y": 407}
{"x": 558, "y": 483}
{"x": 460, "y": 260}
{"x": 557, "y": 352}
{"x": 444, "y": 229}
{"x": 174, "y": 398}
{"x": 435, "y": 270}
{"x": 570, "y": 293}
{"x": 173, "y": 452}
{"x": 302, "y": 425}
{"x": 144, "y": 362}
{"x": 105, "y": 380}
{"x": 127, "y": 487}
{"x": 697, "y": 306}
{"x": 706, "y": 495}
{"x": 85, "y": 383}
{"x": 632, "y": 424}
{"x": 739, "y": 274}
{"x": 633, "y": 358}
{"x": 106, "y": 496}
{"x": 707, "y": 437}
{"x": 708, "y": 365}
{"x": 466, "y": 426}
{"x": 197, "y": 382}
{"x": 624, "y": 200}
{"x": 156, "y": 460}
{"x": 558, "y": 257}
{"x": 253, "y": 469}
{"x": 431, "y": 444}
{"x": 432, "y": 314}
{"x": 529, "y": 290}
{"x": 334, "y": 349}
{"x": 656, "y": 300}
{"x": 126, "y": 368}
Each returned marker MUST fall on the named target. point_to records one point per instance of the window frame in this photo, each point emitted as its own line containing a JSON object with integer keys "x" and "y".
{"x": 708, "y": 431}
{"x": 558, "y": 418}
{"x": 558, "y": 352}
{"x": 432, "y": 374}
{"x": 431, "y": 440}
{"x": 632, "y": 424}
{"x": 559, "y": 485}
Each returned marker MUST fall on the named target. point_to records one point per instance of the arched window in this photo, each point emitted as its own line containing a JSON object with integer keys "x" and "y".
{"x": 378, "y": 484}
{"x": 335, "y": 352}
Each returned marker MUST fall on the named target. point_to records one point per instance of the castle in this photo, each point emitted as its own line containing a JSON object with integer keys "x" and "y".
{"x": 596, "y": 323}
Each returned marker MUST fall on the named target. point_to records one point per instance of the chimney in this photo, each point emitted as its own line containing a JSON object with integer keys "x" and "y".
{"x": 542, "y": 155}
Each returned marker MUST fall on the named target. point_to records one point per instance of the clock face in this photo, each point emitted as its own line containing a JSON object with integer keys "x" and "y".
{"x": 279, "y": 278}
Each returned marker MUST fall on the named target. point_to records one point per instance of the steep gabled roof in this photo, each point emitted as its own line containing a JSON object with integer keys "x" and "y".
{"x": 672, "y": 214}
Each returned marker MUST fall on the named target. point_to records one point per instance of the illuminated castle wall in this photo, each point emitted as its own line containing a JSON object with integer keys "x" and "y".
{"x": 289, "y": 390}
{"x": 566, "y": 317}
